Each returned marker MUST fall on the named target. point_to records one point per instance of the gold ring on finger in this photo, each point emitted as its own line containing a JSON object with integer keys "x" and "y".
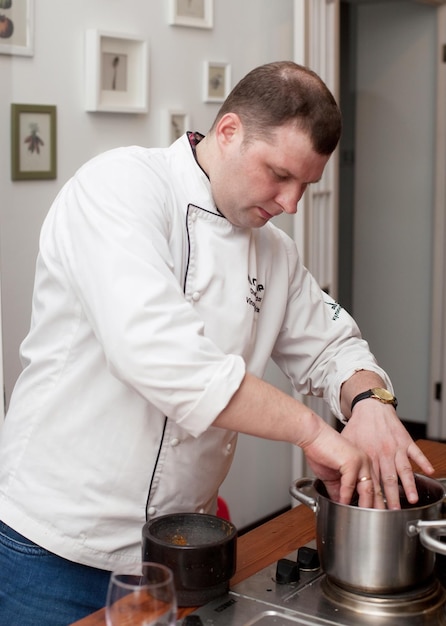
{"x": 363, "y": 479}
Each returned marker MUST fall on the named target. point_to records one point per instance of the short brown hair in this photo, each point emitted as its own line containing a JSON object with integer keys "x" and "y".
{"x": 278, "y": 93}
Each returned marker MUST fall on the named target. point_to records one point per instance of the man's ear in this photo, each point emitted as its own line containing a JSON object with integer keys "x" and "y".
{"x": 229, "y": 129}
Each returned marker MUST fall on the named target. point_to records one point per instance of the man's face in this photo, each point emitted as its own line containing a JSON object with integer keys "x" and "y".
{"x": 257, "y": 180}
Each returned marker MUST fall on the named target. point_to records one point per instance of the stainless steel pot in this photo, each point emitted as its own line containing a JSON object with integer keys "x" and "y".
{"x": 374, "y": 550}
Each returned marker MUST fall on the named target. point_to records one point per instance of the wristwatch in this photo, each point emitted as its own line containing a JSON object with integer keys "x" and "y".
{"x": 383, "y": 395}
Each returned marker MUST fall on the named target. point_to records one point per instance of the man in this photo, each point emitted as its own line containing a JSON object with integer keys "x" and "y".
{"x": 161, "y": 292}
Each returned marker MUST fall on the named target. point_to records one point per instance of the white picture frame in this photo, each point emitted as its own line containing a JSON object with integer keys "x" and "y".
{"x": 17, "y": 28}
{"x": 176, "y": 123}
{"x": 216, "y": 81}
{"x": 116, "y": 72}
{"x": 192, "y": 13}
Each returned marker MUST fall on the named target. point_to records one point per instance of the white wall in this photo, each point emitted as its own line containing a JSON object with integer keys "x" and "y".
{"x": 245, "y": 34}
{"x": 394, "y": 170}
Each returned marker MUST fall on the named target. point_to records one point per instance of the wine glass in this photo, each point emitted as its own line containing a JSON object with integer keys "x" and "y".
{"x": 144, "y": 599}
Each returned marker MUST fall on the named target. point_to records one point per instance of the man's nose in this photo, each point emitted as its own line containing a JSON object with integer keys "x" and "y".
{"x": 289, "y": 198}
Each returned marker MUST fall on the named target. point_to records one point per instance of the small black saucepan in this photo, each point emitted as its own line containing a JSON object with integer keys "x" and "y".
{"x": 200, "y": 550}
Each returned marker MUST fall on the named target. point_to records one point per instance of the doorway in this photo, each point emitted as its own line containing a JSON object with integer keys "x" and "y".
{"x": 388, "y": 85}
{"x": 347, "y": 100}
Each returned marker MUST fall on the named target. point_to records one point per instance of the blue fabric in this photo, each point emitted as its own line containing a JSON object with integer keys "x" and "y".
{"x": 38, "y": 588}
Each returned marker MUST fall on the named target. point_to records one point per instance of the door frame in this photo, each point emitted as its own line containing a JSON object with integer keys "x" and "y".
{"x": 2, "y": 380}
{"x": 316, "y": 45}
{"x": 315, "y": 225}
{"x": 436, "y": 423}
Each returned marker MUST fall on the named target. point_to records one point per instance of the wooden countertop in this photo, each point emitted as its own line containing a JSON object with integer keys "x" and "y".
{"x": 275, "y": 539}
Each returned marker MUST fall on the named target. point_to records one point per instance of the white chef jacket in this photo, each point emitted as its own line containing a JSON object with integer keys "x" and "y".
{"x": 148, "y": 308}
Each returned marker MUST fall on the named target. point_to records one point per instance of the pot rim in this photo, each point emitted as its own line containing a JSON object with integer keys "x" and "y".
{"x": 230, "y": 536}
{"x": 433, "y": 482}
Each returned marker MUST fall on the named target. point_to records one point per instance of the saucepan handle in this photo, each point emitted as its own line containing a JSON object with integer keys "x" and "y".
{"x": 429, "y": 531}
{"x": 296, "y": 491}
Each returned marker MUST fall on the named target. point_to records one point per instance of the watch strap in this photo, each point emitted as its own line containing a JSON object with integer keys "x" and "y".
{"x": 370, "y": 393}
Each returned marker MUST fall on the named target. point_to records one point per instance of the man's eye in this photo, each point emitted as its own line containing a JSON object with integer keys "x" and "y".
{"x": 280, "y": 176}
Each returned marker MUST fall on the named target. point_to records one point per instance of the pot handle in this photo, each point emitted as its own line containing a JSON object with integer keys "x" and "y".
{"x": 443, "y": 482}
{"x": 295, "y": 491}
{"x": 429, "y": 530}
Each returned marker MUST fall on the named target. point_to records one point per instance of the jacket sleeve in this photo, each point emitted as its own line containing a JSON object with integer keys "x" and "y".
{"x": 320, "y": 345}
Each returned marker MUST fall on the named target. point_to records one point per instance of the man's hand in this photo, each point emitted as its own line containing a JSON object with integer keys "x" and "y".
{"x": 375, "y": 428}
{"x": 343, "y": 468}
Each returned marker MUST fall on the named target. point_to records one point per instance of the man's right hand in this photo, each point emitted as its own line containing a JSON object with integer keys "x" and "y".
{"x": 343, "y": 468}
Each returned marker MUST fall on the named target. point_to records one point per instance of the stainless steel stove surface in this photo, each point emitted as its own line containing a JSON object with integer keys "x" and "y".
{"x": 313, "y": 600}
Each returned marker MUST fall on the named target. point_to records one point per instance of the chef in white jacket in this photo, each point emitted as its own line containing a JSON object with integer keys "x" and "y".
{"x": 161, "y": 291}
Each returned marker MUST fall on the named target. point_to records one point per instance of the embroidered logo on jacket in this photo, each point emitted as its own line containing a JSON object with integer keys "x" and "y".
{"x": 256, "y": 290}
{"x": 335, "y": 307}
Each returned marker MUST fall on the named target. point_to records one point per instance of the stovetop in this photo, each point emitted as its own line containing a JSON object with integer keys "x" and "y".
{"x": 311, "y": 601}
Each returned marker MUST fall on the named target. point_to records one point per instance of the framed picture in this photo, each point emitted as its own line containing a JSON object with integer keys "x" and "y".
{"x": 16, "y": 27}
{"x": 116, "y": 73}
{"x": 217, "y": 81}
{"x": 33, "y": 141}
{"x": 194, "y": 13}
{"x": 176, "y": 123}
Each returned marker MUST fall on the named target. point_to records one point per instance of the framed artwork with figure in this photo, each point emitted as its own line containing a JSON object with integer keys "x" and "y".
{"x": 116, "y": 75}
{"x": 33, "y": 142}
{"x": 216, "y": 81}
{"x": 176, "y": 123}
{"x": 17, "y": 27}
{"x": 193, "y": 13}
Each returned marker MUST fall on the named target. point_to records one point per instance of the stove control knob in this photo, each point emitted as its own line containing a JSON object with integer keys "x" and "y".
{"x": 192, "y": 620}
{"x": 308, "y": 559}
{"x": 287, "y": 571}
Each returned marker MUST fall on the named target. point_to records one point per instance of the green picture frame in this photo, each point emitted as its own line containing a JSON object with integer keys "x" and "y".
{"x": 33, "y": 142}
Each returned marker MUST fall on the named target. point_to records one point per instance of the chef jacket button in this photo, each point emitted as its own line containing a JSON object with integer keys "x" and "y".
{"x": 174, "y": 442}
{"x": 196, "y": 296}
{"x": 152, "y": 510}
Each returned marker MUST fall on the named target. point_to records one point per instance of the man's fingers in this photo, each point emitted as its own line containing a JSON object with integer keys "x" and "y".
{"x": 398, "y": 471}
{"x": 415, "y": 454}
{"x": 362, "y": 481}
{"x": 369, "y": 491}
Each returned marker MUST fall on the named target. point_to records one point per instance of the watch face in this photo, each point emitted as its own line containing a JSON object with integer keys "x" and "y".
{"x": 383, "y": 394}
